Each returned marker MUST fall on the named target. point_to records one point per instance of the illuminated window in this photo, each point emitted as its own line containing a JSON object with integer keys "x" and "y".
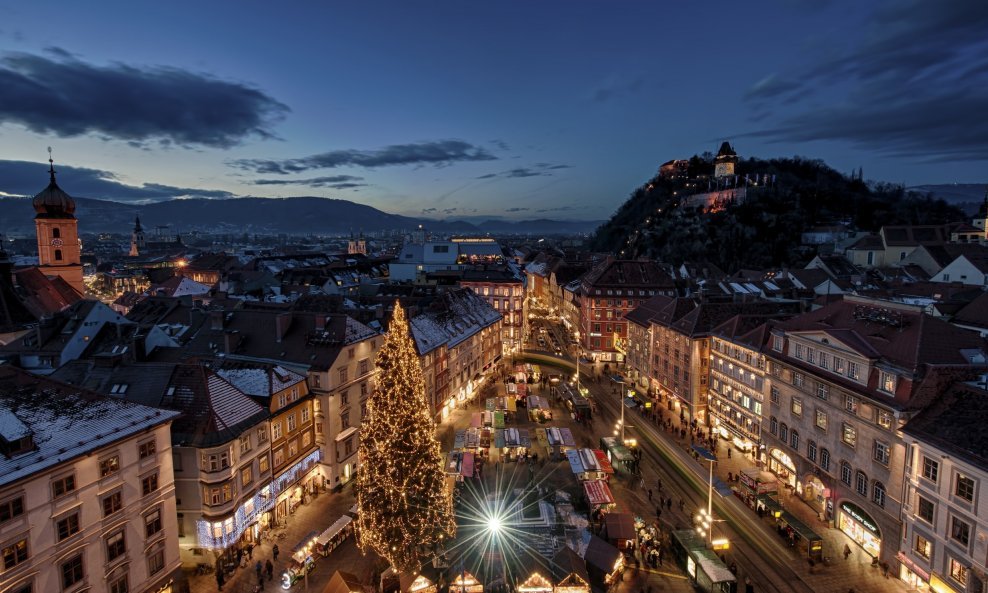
{"x": 958, "y": 572}
{"x": 109, "y": 466}
{"x": 14, "y": 554}
{"x": 922, "y": 547}
{"x": 849, "y": 434}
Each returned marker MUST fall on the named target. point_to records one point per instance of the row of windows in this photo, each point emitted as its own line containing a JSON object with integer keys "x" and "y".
{"x": 964, "y": 486}
{"x": 72, "y": 570}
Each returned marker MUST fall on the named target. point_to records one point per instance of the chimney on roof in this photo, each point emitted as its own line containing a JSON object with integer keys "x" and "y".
{"x": 282, "y": 321}
{"x": 216, "y": 320}
{"x": 320, "y": 322}
{"x": 230, "y": 341}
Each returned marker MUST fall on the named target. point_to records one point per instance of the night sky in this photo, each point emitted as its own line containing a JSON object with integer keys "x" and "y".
{"x": 520, "y": 109}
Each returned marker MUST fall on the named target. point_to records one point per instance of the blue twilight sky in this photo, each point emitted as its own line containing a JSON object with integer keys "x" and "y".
{"x": 455, "y": 109}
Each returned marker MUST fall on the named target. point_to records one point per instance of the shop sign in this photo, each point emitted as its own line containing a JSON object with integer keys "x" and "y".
{"x": 858, "y": 515}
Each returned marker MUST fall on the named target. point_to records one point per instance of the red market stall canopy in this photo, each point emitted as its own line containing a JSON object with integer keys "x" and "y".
{"x": 605, "y": 465}
{"x": 598, "y": 492}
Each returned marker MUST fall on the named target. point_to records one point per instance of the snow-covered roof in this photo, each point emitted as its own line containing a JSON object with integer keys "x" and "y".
{"x": 356, "y": 331}
{"x": 464, "y": 314}
{"x": 63, "y": 421}
{"x": 260, "y": 380}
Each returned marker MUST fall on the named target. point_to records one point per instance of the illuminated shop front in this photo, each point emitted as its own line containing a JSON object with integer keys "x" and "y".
{"x": 815, "y": 494}
{"x": 914, "y": 575}
{"x": 255, "y": 513}
{"x": 782, "y": 465}
{"x": 860, "y": 527}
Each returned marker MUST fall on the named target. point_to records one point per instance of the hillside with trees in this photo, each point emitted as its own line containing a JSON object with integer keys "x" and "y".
{"x": 765, "y": 229}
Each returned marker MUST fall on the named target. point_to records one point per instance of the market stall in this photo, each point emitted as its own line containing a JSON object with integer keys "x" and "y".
{"x": 538, "y": 409}
{"x": 417, "y": 584}
{"x": 472, "y": 440}
{"x": 598, "y": 494}
{"x": 570, "y": 572}
{"x": 516, "y": 443}
{"x": 605, "y": 563}
{"x": 301, "y": 562}
{"x": 343, "y": 582}
{"x": 585, "y": 465}
{"x": 619, "y": 529}
{"x": 453, "y": 464}
{"x": 603, "y": 462}
{"x": 466, "y": 465}
{"x": 535, "y": 583}
{"x": 476, "y": 420}
{"x": 464, "y": 582}
{"x": 560, "y": 441}
{"x": 459, "y": 440}
{"x": 336, "y": 534}
{"x": 498, "y": 419}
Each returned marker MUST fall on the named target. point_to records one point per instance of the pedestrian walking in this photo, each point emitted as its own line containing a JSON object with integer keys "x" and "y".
{"x": 258, "y": 568}
{"x": 269, "y": 568}
{"x": 260, "y": 580}
{"x": 728, "y": 452}
{"x": 847, "y": 551}
{"x": 650, "y": 495}
{"x": 275, "y": 550}
{"x": 250, "y": 551}
{"x": 669, "y": 503}
{"x": 219, "y": 578}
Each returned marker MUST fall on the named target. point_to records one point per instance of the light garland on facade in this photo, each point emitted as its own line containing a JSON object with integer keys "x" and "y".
{"x": 401, "y": 490}
{"x": 249, "y": 512}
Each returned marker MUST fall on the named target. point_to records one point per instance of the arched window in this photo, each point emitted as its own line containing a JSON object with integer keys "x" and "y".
{"x": 783, "y": 433}
{"x": 845, "y": 472}
{"x": 861, "y": 484}
{"x": 56, "y": 233}
{"x": 58, "y": 255}
{"x": 825, "y": 460}
{"x": 794, "y": 439}
{"x": 878, "y": 494}
{"x": 773, "y": 425}
{"x": 811, "y": 451}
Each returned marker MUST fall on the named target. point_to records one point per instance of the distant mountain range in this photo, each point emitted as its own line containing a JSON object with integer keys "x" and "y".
{"x": 301, "y": 215}
{"x": 959, "y": 194}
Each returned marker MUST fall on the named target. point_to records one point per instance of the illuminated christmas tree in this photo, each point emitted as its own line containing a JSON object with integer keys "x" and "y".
{"x": 401, "y": 484}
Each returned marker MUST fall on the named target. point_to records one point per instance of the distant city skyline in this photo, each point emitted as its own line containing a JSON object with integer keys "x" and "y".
{"x": 509, "y": 109}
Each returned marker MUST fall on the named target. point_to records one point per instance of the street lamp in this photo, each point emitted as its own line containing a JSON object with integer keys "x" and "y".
{"x": 619, "y": 380}
{"x": 706, "y": 517}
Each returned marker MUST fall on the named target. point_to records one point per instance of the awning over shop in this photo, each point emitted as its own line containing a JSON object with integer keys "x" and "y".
{"x": 598, "y": 492}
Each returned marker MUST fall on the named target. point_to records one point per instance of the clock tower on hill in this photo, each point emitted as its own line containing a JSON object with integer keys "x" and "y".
{"x": 59, "y": 248}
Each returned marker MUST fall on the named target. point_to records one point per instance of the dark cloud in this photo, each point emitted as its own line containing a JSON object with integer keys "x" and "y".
{"x": 914, "y": 84}
{"x": 556, "y": 209}
{"x": 24, "y": 178}
{"x": 536, "y": 170}
{"x": 429, "y": 210}
{"x": 64, "y": 96}
{"x": 500, "y": 144}
{"x": 334, "y": 181}
{"x": 517, "y": 209}
{"x": 438, "y": 153}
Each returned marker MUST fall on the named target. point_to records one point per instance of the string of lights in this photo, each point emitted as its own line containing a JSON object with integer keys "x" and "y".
{"x": 401, "y": 491}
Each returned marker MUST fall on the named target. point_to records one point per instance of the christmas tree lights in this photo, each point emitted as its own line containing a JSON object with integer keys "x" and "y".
{"x": 401, "y": 489}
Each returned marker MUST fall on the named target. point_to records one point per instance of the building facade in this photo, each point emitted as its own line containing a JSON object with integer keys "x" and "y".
{"x": 944, "y": 511}
{"x": 608, "y": 292}
{"x": 87, "y": 498}
{"x": 842, "y": 381}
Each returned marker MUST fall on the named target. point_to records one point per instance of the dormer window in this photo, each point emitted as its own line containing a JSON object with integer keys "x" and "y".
{"x": 15, "y": 436}
{"x": 886, "y": 382}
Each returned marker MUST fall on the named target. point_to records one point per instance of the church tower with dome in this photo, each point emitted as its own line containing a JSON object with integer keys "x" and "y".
{"x": 59, "y": 248}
